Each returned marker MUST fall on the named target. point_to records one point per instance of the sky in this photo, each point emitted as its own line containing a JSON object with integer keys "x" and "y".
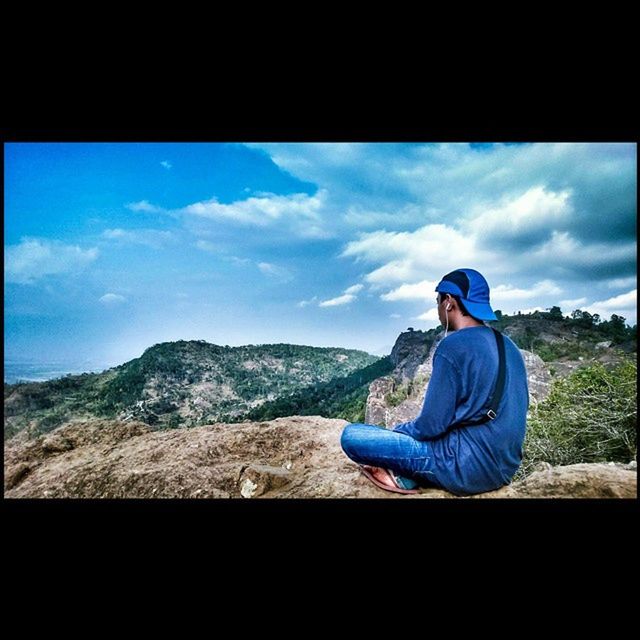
{"x": 111, "y": 248}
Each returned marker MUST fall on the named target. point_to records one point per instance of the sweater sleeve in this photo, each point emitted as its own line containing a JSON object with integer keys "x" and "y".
{"x": 439, "y": 407}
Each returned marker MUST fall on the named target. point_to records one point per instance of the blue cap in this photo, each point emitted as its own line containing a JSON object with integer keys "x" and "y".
{"x": 472, "y": 289}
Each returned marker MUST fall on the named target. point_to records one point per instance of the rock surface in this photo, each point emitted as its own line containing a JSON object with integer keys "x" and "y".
{"x": 294, "y": 457}
{"x": 409, "y": 352}
{"x": 601, "y": 480}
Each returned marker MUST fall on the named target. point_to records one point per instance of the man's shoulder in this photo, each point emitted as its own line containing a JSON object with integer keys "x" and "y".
{"x": 465, "y": 343}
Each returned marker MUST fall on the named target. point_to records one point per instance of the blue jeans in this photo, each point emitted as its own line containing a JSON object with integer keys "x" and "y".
{"x": 380, "y": 447}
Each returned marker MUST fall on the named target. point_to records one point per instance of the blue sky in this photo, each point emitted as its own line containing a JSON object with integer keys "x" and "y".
{"x": 111, "y": 248}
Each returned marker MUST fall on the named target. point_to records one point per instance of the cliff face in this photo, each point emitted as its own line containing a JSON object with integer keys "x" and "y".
{"x": 411, "y": 350}
{"x": 295, "y": 457}
{"x": 398, "y": 397}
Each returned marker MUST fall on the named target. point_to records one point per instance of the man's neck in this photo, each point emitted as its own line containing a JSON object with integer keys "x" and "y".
{"x": 463, "y": 322}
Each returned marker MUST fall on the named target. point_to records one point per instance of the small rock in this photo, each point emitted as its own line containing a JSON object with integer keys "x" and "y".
{"x": 248, "y": 488}
{"x": 259, "y": 478}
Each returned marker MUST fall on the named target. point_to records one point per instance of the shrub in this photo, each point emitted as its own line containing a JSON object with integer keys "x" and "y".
{"x": 394, "y": 398}
{"x": 590, "y": 416}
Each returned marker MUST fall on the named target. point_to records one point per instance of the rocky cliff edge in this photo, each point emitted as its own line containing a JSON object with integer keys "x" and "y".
{"x": 293, "y": 457}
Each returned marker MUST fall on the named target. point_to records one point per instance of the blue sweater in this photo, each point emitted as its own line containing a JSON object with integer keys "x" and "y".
{"x": 476, "y": 458}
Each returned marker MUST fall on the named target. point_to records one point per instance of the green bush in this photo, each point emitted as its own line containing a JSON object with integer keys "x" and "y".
{"x": 399, "y": 395}
{"x": 590, "y": 416}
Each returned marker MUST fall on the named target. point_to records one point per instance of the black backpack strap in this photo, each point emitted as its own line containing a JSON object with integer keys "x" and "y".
{"x": 491, "y": 408}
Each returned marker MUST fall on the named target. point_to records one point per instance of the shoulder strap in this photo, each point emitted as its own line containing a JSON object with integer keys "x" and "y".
{"x": 491, "y": 408}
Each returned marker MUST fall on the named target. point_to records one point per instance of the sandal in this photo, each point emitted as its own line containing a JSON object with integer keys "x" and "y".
{"x": 396, "y": 487}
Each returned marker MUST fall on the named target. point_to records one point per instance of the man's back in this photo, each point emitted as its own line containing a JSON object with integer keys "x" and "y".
{"x": 474, "y": 458}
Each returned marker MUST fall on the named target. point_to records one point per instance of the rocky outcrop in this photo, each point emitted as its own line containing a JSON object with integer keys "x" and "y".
{"x": 377, "y": 410}
{"x": 398, "y": 397}
{"x": 295, "y": 457}
{"x": 538, "y": 376}
{"x": 601, "y": 480}
{"x": 409, "y": 352}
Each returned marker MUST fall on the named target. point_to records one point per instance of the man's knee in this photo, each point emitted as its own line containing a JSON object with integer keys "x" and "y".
{"x": 349, "y": 438}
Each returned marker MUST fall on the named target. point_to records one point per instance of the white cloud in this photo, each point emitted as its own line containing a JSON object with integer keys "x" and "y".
{"x": 430, "y": 315}
{"x": 518, "y": 194}
{"x": 434, "y": 250}
{"x": 334, "y": 302}
{"x": 301, "y": 212}
{"x": 622, "y": 305}
{"x": 508, "y": 293}
{"x": 237, "y": 261}
{"x": 205, "y": 245}
{"x": 531, "y": 310}
{"x": 349, "y": 295}
{"x": 275, "y": 271}
{"x": 622, "y": 283}
{"x": 424, "y": 290}
{"x": 394, "y": 271}
{"x": 354, "y": 288}
{"x": 532, "y": 215}
{"x": 357, "y": 216}
{"x": 572, "y": 305}
{"x": 111, "y": 299}
{"x": 564, "y": 251}
{"x": 149, "y": 237}
{"x": 35, "y": 258}
{"x": 305, "y": 303}
{"x": 145, "y": 206}
{"x": 166, "y": 164}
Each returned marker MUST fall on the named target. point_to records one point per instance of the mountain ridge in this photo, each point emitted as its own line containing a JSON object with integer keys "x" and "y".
{"x": 181, "y": 383}
{"x": 186, "y": 383}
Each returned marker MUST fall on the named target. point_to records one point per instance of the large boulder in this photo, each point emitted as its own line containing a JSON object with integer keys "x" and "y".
{"x": 294, "y": 457}
{"x": 538, "y": 376}
{"x": 595, "y": 480}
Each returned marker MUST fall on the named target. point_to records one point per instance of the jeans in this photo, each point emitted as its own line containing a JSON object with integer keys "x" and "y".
{"x": 380, "y": 447}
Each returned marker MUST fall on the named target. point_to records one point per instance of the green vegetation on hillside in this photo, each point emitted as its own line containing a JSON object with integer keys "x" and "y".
{"x": 405, "y": 390}
{"x": 590, "y": 416}
{"x": 553, "y": 337}
{"x": 181, "y": 383}
{"x": 343, "y": 397}
{"x": 43, "y": 406}
{"x": 252, "y": 372}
